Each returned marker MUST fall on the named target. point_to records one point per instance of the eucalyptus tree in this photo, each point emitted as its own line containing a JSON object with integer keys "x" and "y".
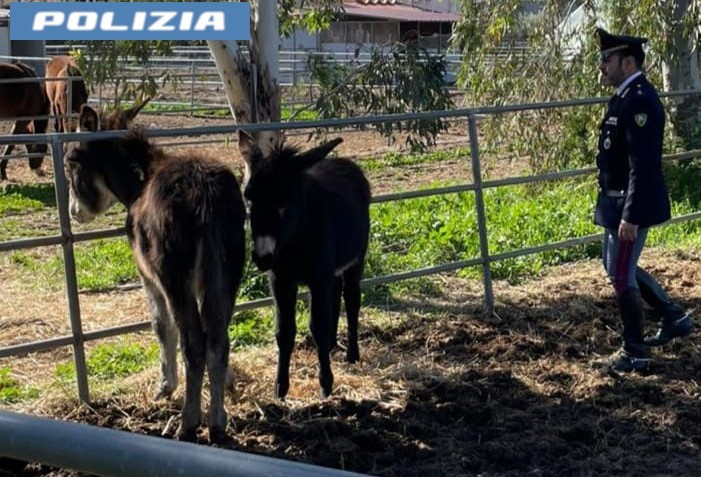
{"x": 404, "y": 80}
{"x": 511, "y": 57}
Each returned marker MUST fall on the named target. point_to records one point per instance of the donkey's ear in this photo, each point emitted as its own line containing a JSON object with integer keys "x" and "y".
{"x": 247, "y": 145}
{"x": 318, "y": 153}
{"x": 88, "y": 120}
{"x": 129, "y": 115}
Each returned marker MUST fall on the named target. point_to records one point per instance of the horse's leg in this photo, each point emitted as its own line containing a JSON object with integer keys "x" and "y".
{"x": 217, "y": 308}
{"x": 322, "y": 293}
{"x": 6, "y": 152}
{"x": 351, "y": 297}
{"x": 284, "y": 292}
{"x": 57, "y": 118}
{"x": 167, "y": 333}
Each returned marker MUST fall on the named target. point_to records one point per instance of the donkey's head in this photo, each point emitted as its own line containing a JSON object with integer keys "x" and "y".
{"x": 85, "y": 164}
{"x": 275, "y": 193}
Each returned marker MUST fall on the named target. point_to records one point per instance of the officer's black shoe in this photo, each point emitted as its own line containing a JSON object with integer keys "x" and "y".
{"x": 623, "y": 362}
{"x": 671, "y": 329}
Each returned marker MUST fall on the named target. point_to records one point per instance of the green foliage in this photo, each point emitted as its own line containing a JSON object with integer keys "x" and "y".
{"x": 112, "y": 360}
{"x": 402, "y": 79}
{"x": 509, "y": 58}
{"x": 103, "y": 60}
{"x": 11, "y": 391}
{"x": 251, "y": 328}
{"x": 314, "y": 16}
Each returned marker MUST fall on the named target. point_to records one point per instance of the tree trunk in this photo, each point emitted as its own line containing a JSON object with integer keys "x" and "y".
{"x": 680, "y": 72}
{"x": 251, "y": 85}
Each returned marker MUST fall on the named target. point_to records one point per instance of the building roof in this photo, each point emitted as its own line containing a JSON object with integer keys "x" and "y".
{"x": 395, "y": 11}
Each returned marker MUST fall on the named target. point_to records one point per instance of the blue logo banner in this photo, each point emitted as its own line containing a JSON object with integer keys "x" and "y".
{"x": 130, "y": 21}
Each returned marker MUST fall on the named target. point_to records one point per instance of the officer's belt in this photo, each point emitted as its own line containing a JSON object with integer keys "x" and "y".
{"x": 614, "y": 193}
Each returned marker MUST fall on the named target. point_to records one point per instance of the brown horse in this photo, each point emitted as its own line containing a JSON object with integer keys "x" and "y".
{"x": 23, "y": 100}
{"x": 185, "y": 225}
{"x": 60, "y": 91}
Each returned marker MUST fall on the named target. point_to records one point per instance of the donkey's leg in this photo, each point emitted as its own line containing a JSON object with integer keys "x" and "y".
{"x": 6, "y": 152}
{"x": 322, "y": 292}
{"x": 193, "y": 345}
{"x": 351, "y": 297}
{"x": 167, "y": 333}
{"x": 336, "y": 311}
{"x": 217, "y": 308}
{"x": 284, "y": 292}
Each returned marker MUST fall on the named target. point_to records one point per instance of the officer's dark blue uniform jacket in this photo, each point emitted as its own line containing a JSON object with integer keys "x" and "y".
{"x": 630, "y": 159}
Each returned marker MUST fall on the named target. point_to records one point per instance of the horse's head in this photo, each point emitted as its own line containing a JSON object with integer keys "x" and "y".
{"x": 86, "y": 163}
{"x": 275, "y": 194}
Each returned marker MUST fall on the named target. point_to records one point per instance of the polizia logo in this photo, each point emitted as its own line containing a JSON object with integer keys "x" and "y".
{"x": 130, "y": 21}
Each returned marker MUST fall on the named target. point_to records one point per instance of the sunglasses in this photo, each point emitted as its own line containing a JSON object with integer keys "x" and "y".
{"x": 605, "y": 57}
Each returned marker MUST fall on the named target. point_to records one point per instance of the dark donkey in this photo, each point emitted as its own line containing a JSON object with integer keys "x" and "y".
{"x": 23, "y": 100}
{"x": 310, "y": 223}
{"x": 185, "y": 225}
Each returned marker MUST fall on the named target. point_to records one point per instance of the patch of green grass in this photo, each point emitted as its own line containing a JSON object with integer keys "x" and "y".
{"x": 100, "y": 264}
{"x": 20, "y": 198}
{"x": 112, "y": 360}
{"x": 26, "y": 198}
{"x": 11, "y": 391}
{"x": 104, "y": 263}
{"x": 423, "y": 232}
{"x": 396, "y": 159}
{"x": 251, "y": 328}
{"x": 305, "y": 115}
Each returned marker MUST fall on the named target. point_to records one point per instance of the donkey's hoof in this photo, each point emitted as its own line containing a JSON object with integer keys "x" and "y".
{"x": 326, "y": 389}
{"x": 352, "y": 356}
{"x": 187, "y": 435}
{"x": 219, "y": 437}
{"x": 163, "y": 393}
{"x": 281, "y": 390}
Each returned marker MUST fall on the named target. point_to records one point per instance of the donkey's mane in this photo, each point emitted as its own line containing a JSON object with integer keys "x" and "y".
{"x": 286, "y": 153}
{"x": 136, "y": 146}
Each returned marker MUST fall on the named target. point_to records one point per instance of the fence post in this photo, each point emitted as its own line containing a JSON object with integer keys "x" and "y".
{"x": 70, "y": 273}
{"x": 479, "y": 206}
{"x": 192, "y": 87}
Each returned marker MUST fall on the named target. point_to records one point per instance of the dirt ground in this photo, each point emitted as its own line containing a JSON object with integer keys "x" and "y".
{"x": 442, "y": 389}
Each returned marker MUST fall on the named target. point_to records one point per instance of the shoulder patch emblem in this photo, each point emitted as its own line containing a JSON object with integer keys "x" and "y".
{"x": 640, "y": 119}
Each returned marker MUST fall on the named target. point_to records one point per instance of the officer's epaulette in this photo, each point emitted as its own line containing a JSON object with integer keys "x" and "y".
{"x": 625, "y": 92}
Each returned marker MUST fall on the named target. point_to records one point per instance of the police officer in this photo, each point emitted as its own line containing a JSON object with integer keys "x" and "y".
{"x": 632, "y": 197}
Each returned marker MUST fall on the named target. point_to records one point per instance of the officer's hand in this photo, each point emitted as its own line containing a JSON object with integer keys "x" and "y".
{"x": 627, "y": 232}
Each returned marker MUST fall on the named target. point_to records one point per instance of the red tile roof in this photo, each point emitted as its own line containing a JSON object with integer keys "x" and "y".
{"x": 395, "y": 11}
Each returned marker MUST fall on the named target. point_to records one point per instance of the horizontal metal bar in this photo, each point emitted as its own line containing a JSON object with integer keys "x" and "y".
{"x": 366, "y": 283}
{"x": 19, "y": 244}
{"x": 422, "y": 272}
{"x": 413, "y": 194}
{"x": 108, "y": 452}
{"x": 546, "y": 247}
